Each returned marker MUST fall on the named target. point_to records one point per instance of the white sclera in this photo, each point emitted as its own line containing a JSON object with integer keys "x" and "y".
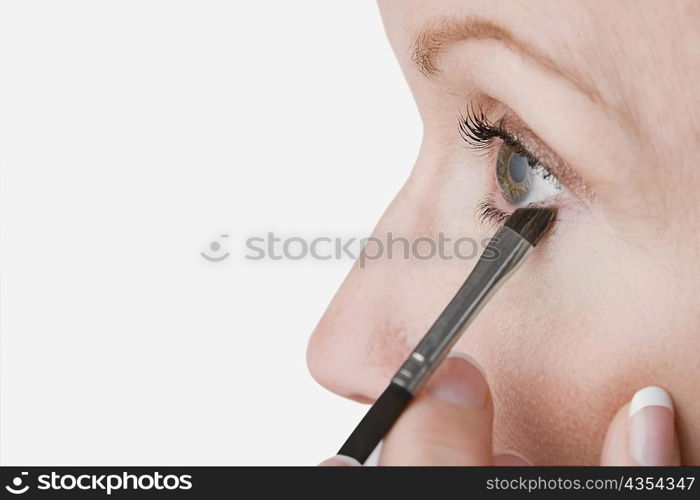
{"x": 542, "y": 184}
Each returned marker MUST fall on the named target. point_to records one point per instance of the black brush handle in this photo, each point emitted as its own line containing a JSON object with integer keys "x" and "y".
{"x": 376, "y": 423}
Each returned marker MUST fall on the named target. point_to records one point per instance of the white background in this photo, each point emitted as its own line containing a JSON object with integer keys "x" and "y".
{"x": 134, "y": 133}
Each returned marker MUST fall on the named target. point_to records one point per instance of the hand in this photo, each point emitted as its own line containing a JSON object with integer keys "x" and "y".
{"x": 450, "y": 423}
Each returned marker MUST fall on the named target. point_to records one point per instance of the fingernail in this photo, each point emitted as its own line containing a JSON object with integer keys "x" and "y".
{"x": 340, "y": 461}
{"x": 459, "y": 381}
{"x": 651, "y": 427}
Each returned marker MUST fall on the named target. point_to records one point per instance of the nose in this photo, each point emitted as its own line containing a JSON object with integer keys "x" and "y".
{"x": 360, "y": 339}
{"x": 385, "y": 304}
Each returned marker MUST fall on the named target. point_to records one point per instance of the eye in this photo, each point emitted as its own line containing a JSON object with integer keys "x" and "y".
{"x": 521, "y": 179}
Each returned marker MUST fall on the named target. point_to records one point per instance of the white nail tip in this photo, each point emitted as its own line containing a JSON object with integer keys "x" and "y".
{"x": 347, "y": 460}
{"x": 650, "y": 396}
{"x": 468, "y": 359}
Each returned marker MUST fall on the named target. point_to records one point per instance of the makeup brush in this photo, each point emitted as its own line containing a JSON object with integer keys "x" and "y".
{"x": 505, "y": 251}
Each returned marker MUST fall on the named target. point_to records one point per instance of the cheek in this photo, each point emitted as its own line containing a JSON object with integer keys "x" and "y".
{"x": 581, "y": 327}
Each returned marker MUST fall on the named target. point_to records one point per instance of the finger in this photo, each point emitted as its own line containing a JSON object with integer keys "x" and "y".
{"x": 339, "y": 461}
{"x": 643, "y": 431}
{"x": 510, "y": 459}
{"x": 449, "y": 423}
{"x": 615, "y": 448}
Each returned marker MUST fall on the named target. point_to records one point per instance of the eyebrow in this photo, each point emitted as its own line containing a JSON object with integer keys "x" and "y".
{"x": 432, "y": 40}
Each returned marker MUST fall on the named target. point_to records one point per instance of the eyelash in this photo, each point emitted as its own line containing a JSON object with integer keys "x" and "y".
{"x": 479, "y": 133}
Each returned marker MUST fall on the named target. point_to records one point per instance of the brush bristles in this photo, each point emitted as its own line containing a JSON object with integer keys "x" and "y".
{"x": 531, "y": 223}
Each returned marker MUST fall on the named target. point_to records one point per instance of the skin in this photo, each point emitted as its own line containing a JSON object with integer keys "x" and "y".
{"x": 451, "y": 422}
{"x": 607, "y": 303}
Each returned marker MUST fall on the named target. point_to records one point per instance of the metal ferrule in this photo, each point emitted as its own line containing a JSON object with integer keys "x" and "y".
{"x": 504, "y": 253}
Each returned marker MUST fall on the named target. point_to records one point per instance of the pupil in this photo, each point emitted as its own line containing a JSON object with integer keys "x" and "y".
{"x": 517, "y": 168}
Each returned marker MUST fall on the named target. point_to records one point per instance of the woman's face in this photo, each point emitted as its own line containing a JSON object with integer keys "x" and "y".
{"x": 604, "y": 99}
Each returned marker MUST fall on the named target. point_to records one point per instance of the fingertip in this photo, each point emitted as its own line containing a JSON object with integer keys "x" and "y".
{"x": 469, "y": 359}
{"x": 615, "y": 448}
{"x": 650, "y": 396}
{"x": 642, "y": 432}
{"x": 340, "y": 461}
{"x": 652, "y": 430}
{"x": 450, "y": 423}
{"x": 460, "y": 381}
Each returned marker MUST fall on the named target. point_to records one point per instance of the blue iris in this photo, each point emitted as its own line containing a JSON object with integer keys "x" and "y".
{"x": 517, "y": 168}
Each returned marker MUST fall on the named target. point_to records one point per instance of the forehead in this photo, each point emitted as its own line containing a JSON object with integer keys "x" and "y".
{"x": 635, "y": 52}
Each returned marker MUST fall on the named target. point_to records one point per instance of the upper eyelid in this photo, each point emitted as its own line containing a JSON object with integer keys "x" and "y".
{"x": 479, "y": 133}
{"x": 547, "y": 157}
{"x": 515, "y": 130}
